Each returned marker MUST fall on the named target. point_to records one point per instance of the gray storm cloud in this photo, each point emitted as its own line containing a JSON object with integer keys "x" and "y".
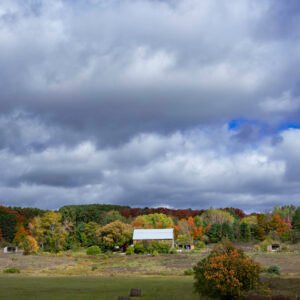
{"x": 126, "y": 101}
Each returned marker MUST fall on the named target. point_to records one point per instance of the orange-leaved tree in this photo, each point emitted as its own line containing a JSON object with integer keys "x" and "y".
{"x": 226, "y": 273}
{"x": 29, "y": 245}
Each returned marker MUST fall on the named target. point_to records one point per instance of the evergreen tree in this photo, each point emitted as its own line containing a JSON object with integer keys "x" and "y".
{"x": 245, "y": 232}
{"x": 215, "y": 233}
{"x": 236, "y": 231}
{"x": 227, "y": 231}
{"x": 296, "y": 220}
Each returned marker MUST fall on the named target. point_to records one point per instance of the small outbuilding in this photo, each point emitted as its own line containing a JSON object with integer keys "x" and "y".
{"x": 274, "y": 247}
{"x": 10, "y": 249}
{"x": 189, "y": 246}
{"x": 165, "y": 234}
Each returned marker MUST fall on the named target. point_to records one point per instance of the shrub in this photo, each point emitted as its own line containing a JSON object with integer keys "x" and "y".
{"x": 150, "y": 247}
{"x": 263, "y": 246}
{"x": 160, "y": 247}
{"x": 274, "y": 270}
{"x": 226, "y": 273}
{"x": 139, "y": 248}
{"x": 12, "y": 271}
{"x": 188, "y": 272}
{"x": 94, "y": 267}
{"x": 93, "y": 250}
{"x": 130, "y": 250}
{"x": 172, "y": 251}
{"x": 154, "y": 253}
{"x": 200, "y": 245}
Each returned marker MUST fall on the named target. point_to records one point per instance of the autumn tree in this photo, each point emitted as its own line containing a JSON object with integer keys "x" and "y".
{"x": 188, "y": 229}
{"x": 217, "y": 216}
{"x": 49, "y": 231}
{"x": 29, "y": 245}
{"x": 153, "y": 221}
{"x": 114, "y": 234}
{"x": 183, "y": 232}
{"x": 226, "y": 273}
{"x": 20, "y": 235}
{"x": 263, "y": 226}
{"x": 281, "y": 226}
{"x": 286, "y": 212}
{"x": 250, "y": 220}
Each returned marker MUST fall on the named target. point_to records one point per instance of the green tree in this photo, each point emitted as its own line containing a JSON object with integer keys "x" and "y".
{"x": 88, "y": 213}
{"x": 227, "y": 231}
{"x": 296, "y": 220}
{"x": 8, "y": 226}
{"x": 245, "y": 231}
{"x": 215, "y": 233}
{"x": 236, "y": 230}
{"x": 90, "y": 230}
{"x": 112, "y": 216}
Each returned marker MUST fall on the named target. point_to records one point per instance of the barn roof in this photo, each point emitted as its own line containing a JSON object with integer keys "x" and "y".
{"x": 153, "y": 234}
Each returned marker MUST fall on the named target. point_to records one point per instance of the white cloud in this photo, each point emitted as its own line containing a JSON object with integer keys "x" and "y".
{"x": 193, "y": 168}
{"x": 285, "y": 103}
{"x": 126, "y": 102}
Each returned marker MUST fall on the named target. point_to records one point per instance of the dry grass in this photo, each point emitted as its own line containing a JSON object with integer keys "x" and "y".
{"x": 79, "y": 263}
{"x": 289, "y": 262}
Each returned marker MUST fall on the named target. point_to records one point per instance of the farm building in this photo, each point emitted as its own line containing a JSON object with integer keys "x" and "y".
{"x": 274, "y": 247}
{"x": 140, "y": 235}
{"x": 10, "y": 249}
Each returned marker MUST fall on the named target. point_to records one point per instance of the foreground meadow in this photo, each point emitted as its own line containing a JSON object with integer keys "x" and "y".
{"x": 106, "y": 288}
{"x": 109, "y": 288}
{"x": 107, "y": 276}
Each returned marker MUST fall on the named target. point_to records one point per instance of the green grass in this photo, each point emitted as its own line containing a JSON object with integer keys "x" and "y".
{"x": 106, "y": 288}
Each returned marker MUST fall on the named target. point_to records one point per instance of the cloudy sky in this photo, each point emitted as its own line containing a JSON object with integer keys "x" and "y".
{"x": 178, "y": 103}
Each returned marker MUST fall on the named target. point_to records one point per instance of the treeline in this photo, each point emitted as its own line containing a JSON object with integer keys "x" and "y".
{"x": 97, "y": 212}
{"x": 11, "y": 218}
{"x": 111, "y": 226}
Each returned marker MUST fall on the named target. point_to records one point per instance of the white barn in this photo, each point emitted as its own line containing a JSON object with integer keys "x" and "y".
{"x": 154, "y": 235}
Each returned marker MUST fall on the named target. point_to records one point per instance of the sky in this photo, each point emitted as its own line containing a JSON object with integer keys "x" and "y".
{"x": 175, "y": 103}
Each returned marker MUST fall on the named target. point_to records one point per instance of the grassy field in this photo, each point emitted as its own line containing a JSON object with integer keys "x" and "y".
{"x": 19, "y": 287}
{"x": 107, "y": 276}
{"x": 106, "y": 288}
